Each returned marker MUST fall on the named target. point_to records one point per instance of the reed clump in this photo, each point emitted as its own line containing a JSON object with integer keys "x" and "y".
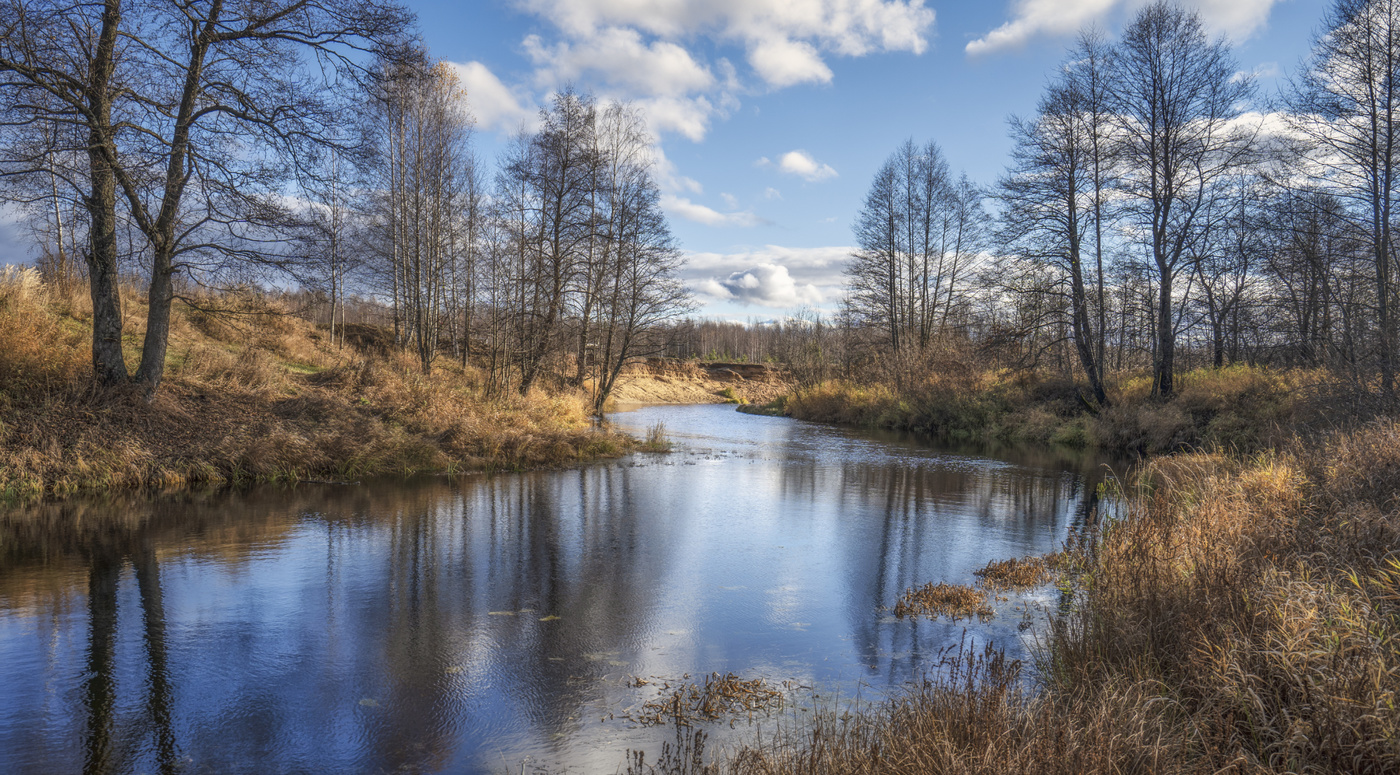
{"x": 655, "y": 440}
{"x": 251, "y": 393}
{"x": 1018, "y": 572}
{"x": 955, "y": 601}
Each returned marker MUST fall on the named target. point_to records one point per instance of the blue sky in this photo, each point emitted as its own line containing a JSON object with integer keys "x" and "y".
{"x": 772, "y": 115}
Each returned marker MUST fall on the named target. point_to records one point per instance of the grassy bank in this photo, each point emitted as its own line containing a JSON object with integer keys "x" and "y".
{"x": 1238, "y": 407}
{"x": 1241, "y": 616}
{"x": 252, "y": 393}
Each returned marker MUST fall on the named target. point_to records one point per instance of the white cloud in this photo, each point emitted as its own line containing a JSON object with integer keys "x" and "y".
{"x": 1032, "y": 18}
{"x": 494, "y": 105}
{"x": 772, "y": 193}
{"x": 620, "y": 58}
{"x": 782, "y": 63}
{"x": 686, "y": 116}
{"x": 730, "y": 201}
{"x": 692, "y": 211}
{"x": 808, "y": 275}
{"x": 639, "y": 45}
{"x": 768, "y": 285}
{"x": 1238, "y": 19}
{"x": 801, "y": 164}
{"x": 849, "y": 27}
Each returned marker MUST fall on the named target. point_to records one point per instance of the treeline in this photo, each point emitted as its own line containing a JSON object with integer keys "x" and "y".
{"x": 201, "y": 146}
{"x": 1150, "y": 207}
{"x": 1157, "y": 214}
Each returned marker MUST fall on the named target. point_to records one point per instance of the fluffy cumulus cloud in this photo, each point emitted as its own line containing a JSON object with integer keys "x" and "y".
{"x": 801, "y": 164}
{"x": 1036, "y": 18}
{"x": 773, "y": 276}
{"x": 644, "y": 49}
{"x": 767, "y": 285}
{"x": 495, "y": 105}
{"x": 619, "y": 58}
{"x": 781, "y": 62}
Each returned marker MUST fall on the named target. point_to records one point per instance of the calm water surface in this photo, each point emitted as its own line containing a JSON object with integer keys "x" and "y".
{"x": 475, "y": 624}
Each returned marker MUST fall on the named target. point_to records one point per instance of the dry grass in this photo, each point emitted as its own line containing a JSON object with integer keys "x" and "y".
{"x": 716, "y": 698}
{"x": 1238, "y": 407}
{"x": 251, "y": 394}
{"x": 1018, "y": 572}
{"x": 655, "y": 440}
{"x": 955, "y": 601}
{"x": 1241, "y": 616}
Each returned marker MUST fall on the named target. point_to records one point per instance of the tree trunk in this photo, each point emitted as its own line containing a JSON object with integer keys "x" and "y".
{"x": 153, "y": 349}
{"x": 108, "y": 362}
{"x": 1164, "y": 363}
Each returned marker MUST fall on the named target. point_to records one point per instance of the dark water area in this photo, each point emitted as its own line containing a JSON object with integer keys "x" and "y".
{"x": 478, "y": 624}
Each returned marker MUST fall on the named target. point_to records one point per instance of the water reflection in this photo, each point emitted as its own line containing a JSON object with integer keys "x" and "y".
{"x": 466, "y": 625}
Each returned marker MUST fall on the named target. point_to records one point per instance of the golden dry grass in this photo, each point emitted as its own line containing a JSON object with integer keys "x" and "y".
{"x": 955, "y": 601}
{"x": 1238, "y": 407}
{"x": 251, "y": 394}
{"x": 1242, "y": 615}
{"x": 1018, "y": 572}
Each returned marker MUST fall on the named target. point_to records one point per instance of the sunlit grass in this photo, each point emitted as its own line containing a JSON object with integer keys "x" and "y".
{"x": 251, "y": 394}
{"x": 1242, "y": 614}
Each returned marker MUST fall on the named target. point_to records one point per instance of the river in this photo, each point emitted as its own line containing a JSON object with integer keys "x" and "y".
{"x": 492, "y": 623}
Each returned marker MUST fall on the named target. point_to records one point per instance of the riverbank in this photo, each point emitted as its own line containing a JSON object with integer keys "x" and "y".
{"x": 672, "y": 381}
{"x": 253, "y": 394}
{"x": 1239, "y": 407}
{"x": 1240, "y": 615}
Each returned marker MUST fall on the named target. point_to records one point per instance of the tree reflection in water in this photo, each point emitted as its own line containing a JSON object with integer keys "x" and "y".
{"x": 462, "y": 625}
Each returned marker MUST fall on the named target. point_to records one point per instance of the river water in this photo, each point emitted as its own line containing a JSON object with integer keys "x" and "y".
{"x": 481, "y": 624}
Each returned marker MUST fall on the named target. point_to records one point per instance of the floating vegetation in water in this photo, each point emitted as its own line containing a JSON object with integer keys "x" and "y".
{"x": 656, "y": 440}
{"x": 955, "y": 601}
{"x": 718, "y": 697}
{"x": 1019, "y": 572}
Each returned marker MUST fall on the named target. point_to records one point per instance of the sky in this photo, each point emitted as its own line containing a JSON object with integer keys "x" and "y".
{"x": 772, "y": 116}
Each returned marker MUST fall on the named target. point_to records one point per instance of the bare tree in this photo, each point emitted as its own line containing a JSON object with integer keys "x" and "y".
{"x": 918, "y": 231}
{"x": 426, "y": 164}
{"x": 1177, "y": 96}
{"x": 1049, "y": 199}
{"x": 165, "y": 91}
{"x": 637, "y": 289}
{"x": 1346, "y": 101}
{"x": 1088, "y": 75}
